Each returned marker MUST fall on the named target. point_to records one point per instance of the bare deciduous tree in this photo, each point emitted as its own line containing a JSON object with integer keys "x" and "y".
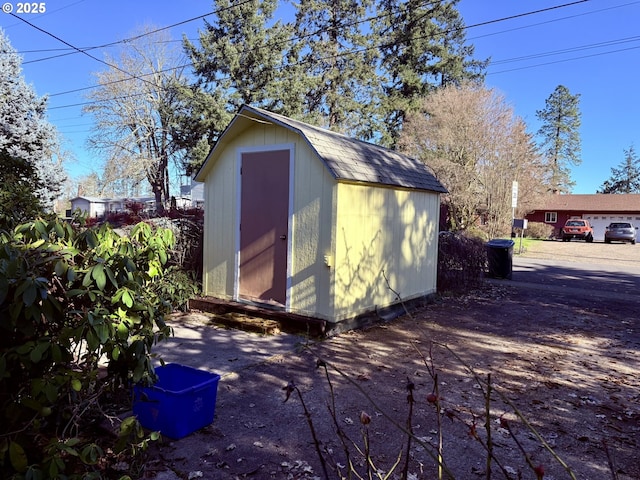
{"x": 133, "y": 107}
{"x": 476, "y": 146}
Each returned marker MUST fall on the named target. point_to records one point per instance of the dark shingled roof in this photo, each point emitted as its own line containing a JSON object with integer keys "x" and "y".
{"x": 597, "y": 202}
{"x": 355, "y": 160}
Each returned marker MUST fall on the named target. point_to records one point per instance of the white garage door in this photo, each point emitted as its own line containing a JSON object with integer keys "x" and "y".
{"x": 599, "y": 222}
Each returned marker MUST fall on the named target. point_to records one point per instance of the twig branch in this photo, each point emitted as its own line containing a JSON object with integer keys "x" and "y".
{"x": 291, "y": 387}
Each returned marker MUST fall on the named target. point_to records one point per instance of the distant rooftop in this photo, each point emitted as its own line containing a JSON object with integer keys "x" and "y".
{"x": 597, "y": 202}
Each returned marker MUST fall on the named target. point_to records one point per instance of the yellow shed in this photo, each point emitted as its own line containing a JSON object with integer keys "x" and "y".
{"x": 312, "y": 222}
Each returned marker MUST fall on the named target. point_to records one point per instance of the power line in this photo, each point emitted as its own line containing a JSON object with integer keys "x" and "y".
{"x": 500, "y": 32}
{"x": 113, "y": 82}
{"x": 79, "y": 50}
{"x": 564, "y": 60}
{"x": 569, "y": 50}
{"x": 137, "y": 37}
{"x": 49, "y": 12}
{"x": 92, "y": 102}
{"x": 190, "y": 64}
{"x": 355, "y": 51}
{"x": 64, "y": 132}
{"x": 425, "y": 36}
{"x": 520, "y": 15}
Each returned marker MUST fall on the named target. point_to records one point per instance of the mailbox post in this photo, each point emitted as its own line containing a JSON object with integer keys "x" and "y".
{"x": 520, "y": 223}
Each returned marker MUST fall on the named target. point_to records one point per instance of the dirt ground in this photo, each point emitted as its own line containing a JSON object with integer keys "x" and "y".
{"x": 565, "y": 396}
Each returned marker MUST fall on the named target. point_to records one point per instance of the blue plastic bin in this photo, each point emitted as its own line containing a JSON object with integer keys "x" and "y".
{"x": 182, "y": 401}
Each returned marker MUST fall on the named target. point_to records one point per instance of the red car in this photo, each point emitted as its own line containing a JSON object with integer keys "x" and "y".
{"x": 577, "y": 228}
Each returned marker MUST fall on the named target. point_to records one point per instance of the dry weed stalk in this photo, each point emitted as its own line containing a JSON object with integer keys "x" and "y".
{"x": 436, "y": 453}
{"x": 434, "y": 398}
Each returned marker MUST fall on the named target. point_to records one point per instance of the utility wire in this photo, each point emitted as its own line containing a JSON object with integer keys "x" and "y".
{"x": 49, "y": 12}
{"x": 570, "y": 50}
{"x": 190, "y": 64}
{"x": 420, "y": 37}
{"x": 564, "y": 60}
{"x": 132, "y": 39}
{"x": 368, "y": 19}
{"x": 531, "y": 25}
{"x": 81, "y": 51}
{"x": 351, "y": 52}
{"x": 92, "y": 102}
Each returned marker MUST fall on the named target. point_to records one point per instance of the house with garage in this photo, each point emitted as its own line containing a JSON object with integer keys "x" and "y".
{"x": 312, "y": 222}
{"x": 600, "y": 209}
{"x": 93, "y": 207}
{"x": 97, "y": 207}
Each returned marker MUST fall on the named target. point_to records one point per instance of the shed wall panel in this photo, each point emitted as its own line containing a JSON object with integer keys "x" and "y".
{"x": 220, "y": 220}
{"x": 383, "y": 235}
{"x": 312, "y": 213}
{"x": 312, "y": 235}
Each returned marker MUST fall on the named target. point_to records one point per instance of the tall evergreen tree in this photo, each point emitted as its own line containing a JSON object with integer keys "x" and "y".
{"x": 355, "y": 66}
{"x": 342, "y": 86}
{"x": 240, "y": 55}
{"x": 18, "y": 182}
{"x": 423, "y": 48}
{"x": 560, "y": 137}
{"x": 239, "y": 60}
{"x": 27, "y": 139}
{"x": 625, "y": 178}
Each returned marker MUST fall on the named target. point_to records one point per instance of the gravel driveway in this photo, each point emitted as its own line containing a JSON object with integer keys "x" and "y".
{"x": 567, "y": 361}
{"x": 578, "y": 251}
{"x": 579, "y": 268}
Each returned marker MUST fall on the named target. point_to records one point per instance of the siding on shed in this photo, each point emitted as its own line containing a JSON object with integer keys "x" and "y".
{"x": 220, "y": 220}
{"x": 383, "y": 232}
{"x": 312, "y": 234}
{"x": 312, "y": 213}
{"x": 363, "y": 220}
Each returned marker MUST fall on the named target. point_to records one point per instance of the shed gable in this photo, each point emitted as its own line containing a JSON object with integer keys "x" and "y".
{"x": 346, "y": 158}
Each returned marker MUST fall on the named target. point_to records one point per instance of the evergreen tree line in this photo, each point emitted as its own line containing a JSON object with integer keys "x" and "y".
{"x": 626, "y": 177}
{"x": 354, "y": 66}
{"x": 31, "y": 172}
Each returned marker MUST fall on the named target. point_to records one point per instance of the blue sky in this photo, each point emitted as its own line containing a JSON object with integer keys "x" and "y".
{"x": 592, "y": 47}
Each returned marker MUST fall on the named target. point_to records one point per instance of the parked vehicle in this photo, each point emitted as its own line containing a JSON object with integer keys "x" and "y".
{"x": 577, "y": 228}
{"x": 621, "y": 232}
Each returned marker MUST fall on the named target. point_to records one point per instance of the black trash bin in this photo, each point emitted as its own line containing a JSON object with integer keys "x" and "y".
{"x": 500, "y": 258}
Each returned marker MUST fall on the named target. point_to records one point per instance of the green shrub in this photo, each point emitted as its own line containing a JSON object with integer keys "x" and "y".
{"x": 79, "y": 315}
{"x": 177, "y": 287}
{"x": 477, "y": 233}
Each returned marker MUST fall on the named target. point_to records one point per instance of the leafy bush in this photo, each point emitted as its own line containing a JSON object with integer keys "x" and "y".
{"x": 539, "y": 230}
{"x": 177, "y": 285}
{"x": 461, "y": 262}
{"x": 476, "y": 232}
{"x": 18, "y": 183}
{"x": 187, "y": 225}
{"x": 79, "y": 315}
